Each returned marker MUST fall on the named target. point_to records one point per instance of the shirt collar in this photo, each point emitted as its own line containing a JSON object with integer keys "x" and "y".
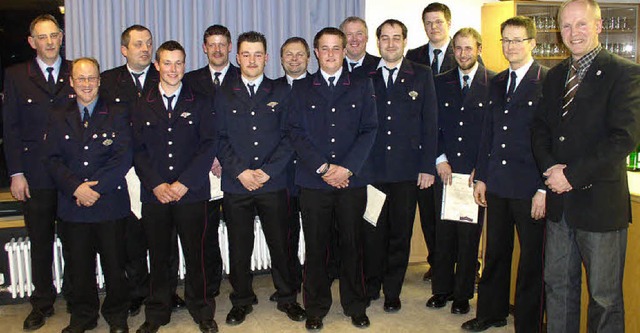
{"x": 443, "y": 49}
{"x": 56, "y": 67}
{"x": 383, "y": 63}
{"x": 585, "y": 61}
{"x": 143, "y": 72}
{"x": 257, "y": 82}
{"x": 471, "y": 74}
{"x": 222, "y": 72}
{"x": 175, "y": 93}
{"x": 90, "y": 107}
{"x": 327, "y": 76}
{"x": 290, "y": 79}
{"x": 520, "y": 72}
{"x": 358, "y": 62}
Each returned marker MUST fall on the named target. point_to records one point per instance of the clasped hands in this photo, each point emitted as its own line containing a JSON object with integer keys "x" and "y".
{"x": 253, "y": 179}
{"x": 337, "y": 176}
{"x": 85, "y": 195}
{"x": 166, "y": 193}
{"x": 556, "y": 180}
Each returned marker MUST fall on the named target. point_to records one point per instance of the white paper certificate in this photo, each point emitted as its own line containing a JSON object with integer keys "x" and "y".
{"x": 375, "y": 201}
{"x": 457, "y": 200}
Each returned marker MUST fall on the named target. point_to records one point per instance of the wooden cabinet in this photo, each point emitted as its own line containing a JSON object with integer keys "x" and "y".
{"x": 619, "y": 34}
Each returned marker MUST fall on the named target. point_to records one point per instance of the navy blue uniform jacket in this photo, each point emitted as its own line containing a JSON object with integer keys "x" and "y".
{"x": 505, "y": 160}
{"x": 117, "y": 86}
{"x": 102, "y": 152}
{"x": 460, "y": 120}
{"x": 336, "y": 127}
{"x": 407, "y": 125}
{"x": 27, "y": 107}
{"x": 180, "y": 148}
{"x": 252, "y": 134}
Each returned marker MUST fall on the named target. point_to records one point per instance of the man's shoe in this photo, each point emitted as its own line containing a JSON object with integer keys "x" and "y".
{"x": 360, "y": 321}
{"x": 134, "y": 308}
{"x": 118, "y": 329}
{"x": 479, "y": 325}
{"x": 392, "y": 305}
{"x": 438, "y": 300}
{"x": 427, "y": 275}
{"x": 313, "y": 323}
{"x": 274, "y": 297}
{"x": 293, "y": 310}
{"x": 36, "y": 319}
{"x": 148, "y": 327}
{"x": 208, "y": 326}
{"x": 177, "y": 302}
{"x": 70, "y": 329}
{"x": 460, "y": 307}
{"x": 238, "y": 313}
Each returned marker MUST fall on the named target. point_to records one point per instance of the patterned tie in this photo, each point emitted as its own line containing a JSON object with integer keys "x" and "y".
{"x": 465, "y": 85}
{"x": 331, "y": 85}
{"x": 252, "y": 91}
{"x": 51, "y": 82}
{"x": 390, "y": 78}
{"x": 169, "y": 104}
{"x": 434, "y": 64}
{"x": 216, "y": 80}
{"x": 512, "y": 85}
{"x": 136, "y": 77}
{"x": 85, "y": 118}
{"x": 570, "y": 88}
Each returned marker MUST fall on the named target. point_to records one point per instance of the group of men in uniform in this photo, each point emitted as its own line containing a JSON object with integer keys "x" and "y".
{"x": 308, "y": 145}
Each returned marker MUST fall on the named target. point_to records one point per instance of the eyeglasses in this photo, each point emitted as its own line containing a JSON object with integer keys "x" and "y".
{"x": 514, "y": 42}
{"x": 90, "y": 79}
{"x": 53, "y": 35}
{"x": 438, "y": 23}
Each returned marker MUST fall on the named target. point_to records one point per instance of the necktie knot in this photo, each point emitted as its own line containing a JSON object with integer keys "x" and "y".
{"x": 50, "y": 70}
{"x": 51, "y": 81}
{"x": 252, "y": 89}
{"x": 331, "y": 81}
{"x": 390, "y": 78}
{"x": 435, "y": 64}
{"x": 216, "y": 79}
{"x": 352, "y": 65}
{"x": 169, "y": 102}
{"x": 512, "y": 85}
{"x": 85, "y": 117}
{"x": 136, "y": 78}
{"x": 465, "y": 80}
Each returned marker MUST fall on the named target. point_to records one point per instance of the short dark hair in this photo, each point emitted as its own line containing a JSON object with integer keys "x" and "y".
{"x": 86, "y": 59}
{"x": 520, "y": 21}
{"x": 216, "y": 29}
{"x": 392, "y": 22}
{"x": 296, "y": 40}
{"x": 330, "y": 31}
{"x": 437, "y": 7}
{"x": 43, "y": 18}
{"x": 354, "y": 19}
{"x": 170, "y": 45}
{"x": 125, "y": 37}
{"x": 468, "y": 32}
{"x": 252, "y": 37}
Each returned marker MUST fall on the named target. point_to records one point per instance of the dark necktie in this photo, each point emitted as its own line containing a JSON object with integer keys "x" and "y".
{"x": 390, "y": 78}
{"x": 85, "y": 118}
{"x": 51, "y": 82}
{"x": 352, "y": 65}
{"x": 169, "y": 104}
{"x": 216, "y": 79}
{"x": 252, "y": 91}
{"x": 434, "y": 63}
{"x": 331, "y": 85}
{"x": 136, "y": 77}
{"x": 465, "y": 85}
{"x": 570, "y": 88}
{"x": 512, "y": 85}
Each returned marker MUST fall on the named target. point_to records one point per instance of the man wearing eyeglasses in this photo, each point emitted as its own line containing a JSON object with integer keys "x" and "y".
{"x": 510, "y": 185}
{"x": 88, "y": 145}
{"x": 32, "y": 90}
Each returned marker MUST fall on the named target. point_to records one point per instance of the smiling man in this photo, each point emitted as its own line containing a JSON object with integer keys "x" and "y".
{"x": 32, "y": 90}
{"x": 174, "y": 146}
{"x": 587, "y": 123}
{"x": 357, "y": 60}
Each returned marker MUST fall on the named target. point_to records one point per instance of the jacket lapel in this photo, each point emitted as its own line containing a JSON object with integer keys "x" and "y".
{"x": 478, "y": 85}
{"x": 184, "y": 103}
{"x": 320, "y": 85}
{"x": 528, "y": 82}
{"x": 36, "y": 76}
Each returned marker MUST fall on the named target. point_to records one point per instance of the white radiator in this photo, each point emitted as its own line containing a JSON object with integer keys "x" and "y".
{"x": 19, "y": 255}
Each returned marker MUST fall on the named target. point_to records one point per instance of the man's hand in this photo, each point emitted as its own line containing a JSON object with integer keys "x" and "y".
{"x": 538, "y": 205}
{"x": 248, "y": 178}
{"x": 425, "y": 180}
{"x": 20, "y": 188}
{"x": 556, "y": 179}
{"x": 163, "y": 193}
{"x": 261, "y": 176}
{"x": 479, "y": 193}
{"x": 216, "y": 168}
{"x": 85, "y": 196}
{"x": 473, "y": 174}
{"x": 444, "y": 171}
{"x": 337, "y": 176}
{"x": 178, "y": 190}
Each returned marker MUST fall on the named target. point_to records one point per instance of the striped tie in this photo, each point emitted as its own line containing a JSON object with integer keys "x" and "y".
{"x": 570, "y": 89}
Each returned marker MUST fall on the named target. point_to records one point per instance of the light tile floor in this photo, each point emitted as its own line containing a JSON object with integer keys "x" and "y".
{"x": 414, "y": 316}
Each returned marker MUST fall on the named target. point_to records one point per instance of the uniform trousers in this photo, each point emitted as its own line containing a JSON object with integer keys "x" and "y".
{"x": 493, "y": 288}
{"x": 429, "y": 212}
{"x": 40, "y": 221}
{"x": 388, "y": 244}
{"x": 212, "y": 257}
{"x": 136, "y": 258}
{"x": 189, "y": 220}
{"x": 293, "y": 240}
{"x": 84, "y": 241}
{"x": 320, "y": 208}
{"x": 240, "y": 211}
